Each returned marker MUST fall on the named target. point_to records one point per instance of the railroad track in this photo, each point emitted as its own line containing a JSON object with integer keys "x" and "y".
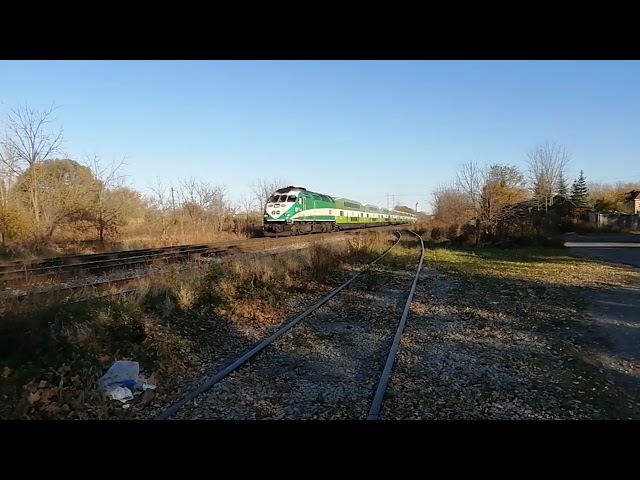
{"x": 353, "y": 353}
{"x": 34, "y": 272}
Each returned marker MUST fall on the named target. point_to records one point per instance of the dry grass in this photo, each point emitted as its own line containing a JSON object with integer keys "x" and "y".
{"x": 547, "y": 266}
{"x": 68, "y": 346}
{"x": 134, "y": 241}
{"x": 152, "y": 241}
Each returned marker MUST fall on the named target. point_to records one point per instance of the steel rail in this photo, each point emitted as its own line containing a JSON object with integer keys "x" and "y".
{"x": 110, "y": 281}
{"x": 117, "y": 261}
{"x": 128, "y": 258}
{"x": 250, "y": 354}
{"x": 21, "y": 265}
{"x": 374, "y": 412}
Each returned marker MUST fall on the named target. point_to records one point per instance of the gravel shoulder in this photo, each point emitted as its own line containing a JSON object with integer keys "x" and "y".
{"x": 327, "y": 367}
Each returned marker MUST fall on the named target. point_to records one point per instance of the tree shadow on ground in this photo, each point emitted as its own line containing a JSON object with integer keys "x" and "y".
{"x": 598, "y": 328}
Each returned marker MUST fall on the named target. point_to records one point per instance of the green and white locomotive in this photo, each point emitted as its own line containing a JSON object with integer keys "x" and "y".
{"x": 297, "y": 210}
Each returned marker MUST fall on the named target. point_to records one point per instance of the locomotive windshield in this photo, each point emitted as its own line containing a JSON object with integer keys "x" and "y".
{"x": 292, "y": 198}
{"x": 278, "y": 198}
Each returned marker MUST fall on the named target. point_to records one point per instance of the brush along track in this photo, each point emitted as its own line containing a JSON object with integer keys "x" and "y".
{"x": 93, "y": 268}
{"x": 324, "y": 369}
{"x": 128, "y": 279}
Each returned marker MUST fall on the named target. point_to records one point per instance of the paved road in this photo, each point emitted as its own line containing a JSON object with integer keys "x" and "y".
{"x": 622, "y": 248}
{"x": 616, "y": 311}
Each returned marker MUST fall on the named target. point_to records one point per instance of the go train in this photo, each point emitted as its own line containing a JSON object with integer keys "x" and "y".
{"x": 299, "y": 211}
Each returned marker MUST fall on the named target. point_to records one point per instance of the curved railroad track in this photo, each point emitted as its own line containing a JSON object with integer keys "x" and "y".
{"x": 353, "y": 339}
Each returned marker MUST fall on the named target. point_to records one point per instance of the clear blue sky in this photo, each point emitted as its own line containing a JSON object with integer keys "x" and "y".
{"x": 361, "y": 129}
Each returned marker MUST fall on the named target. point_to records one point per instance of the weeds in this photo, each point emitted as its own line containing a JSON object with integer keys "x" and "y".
{"x": 59, "y": 342}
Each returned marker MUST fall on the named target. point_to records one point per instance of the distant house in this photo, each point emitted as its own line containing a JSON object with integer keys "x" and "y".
{"x": 633, "y": 200}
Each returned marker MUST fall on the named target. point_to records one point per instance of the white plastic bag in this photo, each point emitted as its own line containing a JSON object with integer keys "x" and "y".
{"x": 123, "y": 373}
{"x": 119, "y": 393}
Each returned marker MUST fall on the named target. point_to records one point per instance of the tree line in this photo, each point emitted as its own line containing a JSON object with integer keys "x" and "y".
{"x": 493, "y": 197}
{"x": 45, "y": 195}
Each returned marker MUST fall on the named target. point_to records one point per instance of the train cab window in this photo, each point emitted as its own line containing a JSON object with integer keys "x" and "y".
{"x": 292, "y": 198}
{"x": 283, "y": 198}
{"x": 273, "y": 199}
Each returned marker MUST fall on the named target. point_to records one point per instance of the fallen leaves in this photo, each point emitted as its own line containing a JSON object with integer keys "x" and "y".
{"x": 42, "y": 395}
{"x": 34, "y": 397}
{"x": 147, "y": 396}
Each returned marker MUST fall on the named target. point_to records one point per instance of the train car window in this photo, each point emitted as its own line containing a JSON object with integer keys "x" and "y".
{"x": 292, "y": 198}
{"x": 330, "y": 212}
{"x": 341, "y": 213}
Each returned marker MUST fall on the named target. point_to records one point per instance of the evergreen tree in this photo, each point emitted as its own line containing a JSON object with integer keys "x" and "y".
{"x": 579, "y": 191}
{"x": 563, "y": 190}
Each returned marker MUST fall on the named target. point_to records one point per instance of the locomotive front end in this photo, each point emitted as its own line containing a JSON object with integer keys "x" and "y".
{"x": 279, "y": 211}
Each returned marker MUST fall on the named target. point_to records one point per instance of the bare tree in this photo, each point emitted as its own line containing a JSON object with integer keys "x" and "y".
{"x": 547, "y": 164}
{"x": 7, "y": 178}
{"x": 27, "y": 141}
{"x": 205, "y": 202}
{"x": 160, "y": 201}
{"x": 246, "y": 203}
{"x": 470, "y": 182}
{"x": 108, "y": 207}
{"x": 263, "y": 188}
{"x": 215, "y": 201}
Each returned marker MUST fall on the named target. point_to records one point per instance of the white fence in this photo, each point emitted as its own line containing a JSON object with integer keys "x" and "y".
{"x": 619, "y": 220}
